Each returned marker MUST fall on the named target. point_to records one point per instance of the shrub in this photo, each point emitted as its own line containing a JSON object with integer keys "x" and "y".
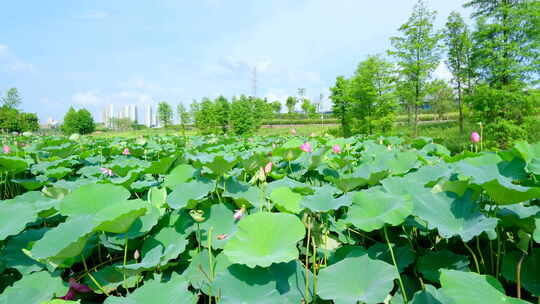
{"x": 80, "y": 122}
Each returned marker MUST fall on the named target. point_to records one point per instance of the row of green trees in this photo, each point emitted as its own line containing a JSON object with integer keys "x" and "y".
{"x": 80, "y": 122}
{"x": 494, "y": 65}
{"x": 11, "y": 118}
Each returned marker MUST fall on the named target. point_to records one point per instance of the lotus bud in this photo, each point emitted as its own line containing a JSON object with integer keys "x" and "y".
{"x": 293, "y": 131}
{"x": 475, "y": 137}
{"x": 106, "y": 171}
{"x": 238, "y": 214}
{"x": 136, "y": 255}
{"x": 197, "y": 215}
{"x": 221, "y": 237}
{"x": 336, "y": 148}
{"x": 306, "y": 147}
{"x": 126, "y": 151}
{"x": 268, "y": 168}
{"x": 5, "y": 149}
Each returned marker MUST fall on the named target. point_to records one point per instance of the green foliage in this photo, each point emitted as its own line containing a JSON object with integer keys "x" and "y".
{"x": 184, "y": 117}
{"x": 373, "y": 97}
{"x": 80, "y": 122}
{"x": 291, "y": 104}
{"x": 12, "y": 99}
{"x": 460, "y": 57}
{"x": 276, "y": 107}
{"x": 417, "y": 53}
{"x": 441, "y": 98}
{"x": 369, "y": 222}
{"x": 123, "y": 124}
{"x": 342, "y": 105}
{"x": 165, "y": 114}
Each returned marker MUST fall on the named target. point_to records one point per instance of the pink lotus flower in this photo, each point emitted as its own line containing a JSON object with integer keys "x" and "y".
{"x": 221, "y": 237}
{"x": 75, "y": 288}
{"x": 475, "y": 137}
{"x": 306, "y": 147}
{"x": 336, "y": 148}
{"x": 106, "y": 171}
{"x": 126, "y": 151}
{"x": 238, "y": 214}
{"x": 293, "y": 131}
{"x": 268, "y": 168}
{"x": 5, "y": 149}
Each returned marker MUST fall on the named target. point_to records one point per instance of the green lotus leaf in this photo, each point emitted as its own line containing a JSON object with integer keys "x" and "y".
{"x": 57, "y": 173}
{"x": 201, "y": 276}
{"x": 58, "y": 301}
{"x": 171, "y": 292}
{"x": 110, "y": 277}
{"x": 280, "y": 283}
{"x": 65, "y": 241}
{"x": 187, "y": 194}
{"x": 157, "y": 196}
{"x": 12, "y": 164}
{"x": 27, "y": 207}
{"x": 357, "y": 278}
{"x": 33, "y": 183}
{"x": 179, "y": 175}
{"x": 323, "y": 200}
{"x": 286, "y": 200}
{"x": 405, "y": 256}
{"x": 536, "y": 234}
{"x": 13, "y": 257}
{"x": 243, "y": 193}
{"x": 531, "y": 155}
{"x": 289, "y": 183}
{"x": 37, "y": 287}
{"x": 499, "y": 187}
{"x": 219, "y": 219}
{"x": 118, "y": 217}
{"x": 265, "y": 238}
{"x": 221, "y": 164}
{"x": 171, "y": 242}
{"x": 451, "y": 215}
{"x": 373, "y": 208}
{"x": 530, "y": 268}
{"x": 161, "y": 166}
{"x": 430, "y": 263}
{"x": 430, "y": 295}
{"x": 12, "y": 225}
{"x": 471, "y": 288}
{"x": 92, "y": 198}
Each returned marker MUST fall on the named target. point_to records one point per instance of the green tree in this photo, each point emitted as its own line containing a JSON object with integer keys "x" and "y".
{"x": 165, "y": 114}
{"x": 291, "y": 104}
{"x": 417, "y": 52}
{"x": 373, "y": 96}
{"x": 460, "y": 57}
{"x": 80, "y": 122}
{"x": 276, "y": 107}
{"x": 12, "y": 99}
{"x": 441, "y": 97}
{"x": 223, "y": 109}
{"x": 341, "y": 104}
{"x": 184, "y": 117}
{"x": 308, "y": 107}
{"x": 507, "y": 40}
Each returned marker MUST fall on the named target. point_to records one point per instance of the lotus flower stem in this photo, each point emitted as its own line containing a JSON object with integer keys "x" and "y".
{"x": 210, "y": 265}
{"x": 395, "y": 265}
{"x": 518, "y": 275}
{"x": 482, "y": 261}
{"x": 92, "y": 277}
{"x": 474, "y": 257}
{"x": 307, "y": 260}
{"x": 96, "y": 267}
{"x": 314, "y": 265}
{"x": 497, "y": 265}
{"x": 125, "y": 259}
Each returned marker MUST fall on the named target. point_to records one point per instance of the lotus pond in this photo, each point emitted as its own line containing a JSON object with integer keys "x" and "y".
{"x": 266, "y": 220}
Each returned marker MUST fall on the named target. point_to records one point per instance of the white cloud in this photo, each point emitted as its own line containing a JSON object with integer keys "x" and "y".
{"x": 20, "y": 66}
{"x": 11, "y": 62}
{"x": 93, "y": 15}
{"x": 88, "y": 98}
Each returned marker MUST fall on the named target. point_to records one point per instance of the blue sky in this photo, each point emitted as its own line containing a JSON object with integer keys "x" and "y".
{"x": 89, "y": 53}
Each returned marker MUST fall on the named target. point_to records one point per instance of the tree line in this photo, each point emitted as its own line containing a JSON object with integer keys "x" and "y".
{"x": 494, "y": 63}
{"x": 11, "y": 118}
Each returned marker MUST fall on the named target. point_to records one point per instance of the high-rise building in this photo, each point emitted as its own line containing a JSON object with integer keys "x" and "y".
{"x": 148, "y": 116}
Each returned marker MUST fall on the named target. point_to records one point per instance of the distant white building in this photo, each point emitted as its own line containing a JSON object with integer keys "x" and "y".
{"x": 107, "y": 116}
{"x": 148, "y": 117}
